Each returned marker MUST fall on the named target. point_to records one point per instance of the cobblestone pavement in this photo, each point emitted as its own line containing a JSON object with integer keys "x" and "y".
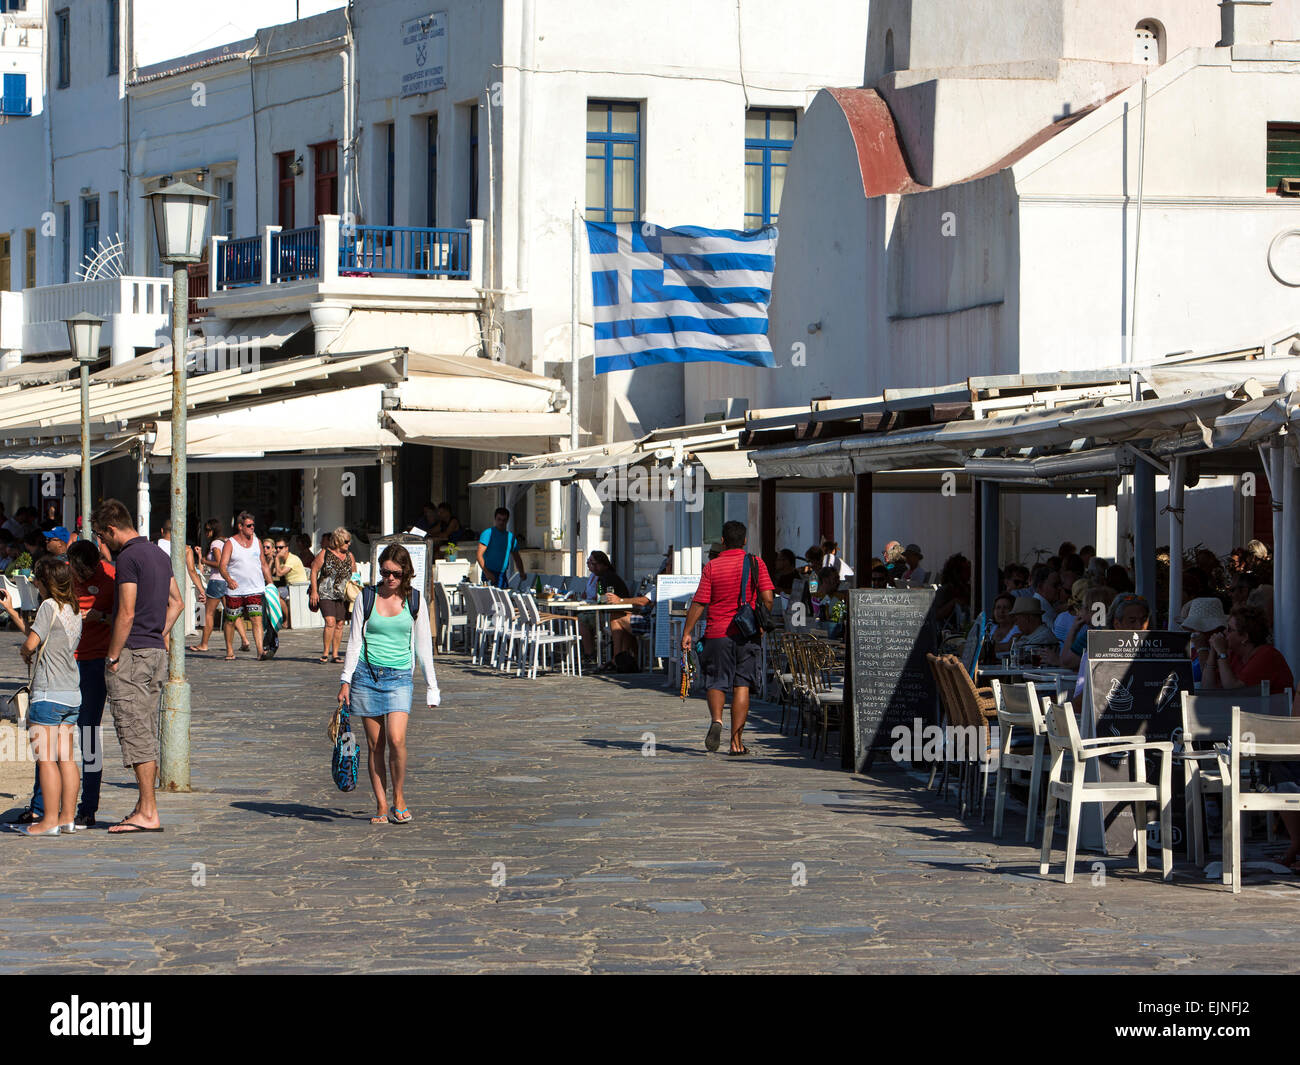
{"x": 612, "y": 861}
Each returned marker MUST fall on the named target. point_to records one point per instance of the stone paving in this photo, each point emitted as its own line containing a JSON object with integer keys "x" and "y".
{"x": 609, "y": 860}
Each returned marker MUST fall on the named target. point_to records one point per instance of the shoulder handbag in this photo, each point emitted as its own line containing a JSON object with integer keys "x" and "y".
{"x": 343, "y": 761}
{"x": 751, "y": 621}
{"x": 22, "y": 698}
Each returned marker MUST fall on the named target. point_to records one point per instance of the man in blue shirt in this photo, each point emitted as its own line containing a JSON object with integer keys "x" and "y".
{"x": 495, "y": 547}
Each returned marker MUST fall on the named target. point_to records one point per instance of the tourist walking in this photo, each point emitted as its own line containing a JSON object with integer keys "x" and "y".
{"x": 55, "y": 695}
{"x": 93, "y": 582}
{"x": 496, "y": 547}
{"x": 731, "y": 661}
{"x": 243, "y": 568}
{"x": 148, "y": 602}
{"x": 331, "y": 571}
{"x": 214, "y": 591}
{"x": 390, "y": 631}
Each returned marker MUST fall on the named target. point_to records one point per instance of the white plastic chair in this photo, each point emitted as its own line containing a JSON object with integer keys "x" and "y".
{"x": 1207, "y": 721}
{"x": 1018, "y": 707}
{"x": 1063, "y": 732}
{"x": 449, "y": 621}
{"x": 538, "y": 636}
{"x": 1265, "y": 738}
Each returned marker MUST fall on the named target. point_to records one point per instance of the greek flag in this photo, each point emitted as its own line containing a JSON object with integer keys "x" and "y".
{"x": 680, "y": 295}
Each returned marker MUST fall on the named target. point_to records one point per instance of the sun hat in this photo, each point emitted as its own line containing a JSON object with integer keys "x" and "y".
{"x": 1027, "y": 604}
{"x": 1204, "y": 615}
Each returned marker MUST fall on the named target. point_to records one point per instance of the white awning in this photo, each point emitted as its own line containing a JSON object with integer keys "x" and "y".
{"x": 61, "y": 456}
{"x": 39, "y": 373}
{"x": 214, "y": 351}
{"x": 727, "y": 467}
{"x": 478, "y": 430}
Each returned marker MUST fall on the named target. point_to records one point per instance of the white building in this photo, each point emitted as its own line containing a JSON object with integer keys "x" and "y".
{"x": 510, "y": 113}
{"x": 1031, "y": 187}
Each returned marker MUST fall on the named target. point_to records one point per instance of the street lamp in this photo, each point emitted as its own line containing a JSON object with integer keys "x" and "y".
{"x": 83, "y": 341}
{"x": 180, "y": 214}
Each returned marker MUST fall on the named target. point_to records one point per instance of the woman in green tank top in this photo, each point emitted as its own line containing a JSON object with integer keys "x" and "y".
{"x": 379, "y": 673}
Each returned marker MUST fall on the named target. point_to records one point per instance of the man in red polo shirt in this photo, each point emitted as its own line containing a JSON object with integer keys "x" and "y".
{"x": 730, "y": 662}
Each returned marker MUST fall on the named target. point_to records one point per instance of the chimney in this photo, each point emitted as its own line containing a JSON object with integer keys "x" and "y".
{"x": 1245, "y": 22}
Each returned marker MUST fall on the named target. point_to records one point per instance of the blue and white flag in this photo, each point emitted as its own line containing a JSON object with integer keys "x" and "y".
{"x": 680, "y": 295}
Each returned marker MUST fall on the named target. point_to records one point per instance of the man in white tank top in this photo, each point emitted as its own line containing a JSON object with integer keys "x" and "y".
{"x": 245, "y": 572}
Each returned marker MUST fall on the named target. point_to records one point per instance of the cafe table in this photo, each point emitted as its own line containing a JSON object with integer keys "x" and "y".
{"x": 577, "y": 607}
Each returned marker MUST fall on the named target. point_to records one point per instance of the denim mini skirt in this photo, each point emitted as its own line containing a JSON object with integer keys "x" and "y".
{"x": 380, "y": 690}
{"x": 45, "y": 712}
{"x": 216, "y": 588}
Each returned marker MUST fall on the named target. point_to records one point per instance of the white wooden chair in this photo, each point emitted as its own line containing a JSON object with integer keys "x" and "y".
{"x": 1207, "y": 721}
{"x": 1063, "y": 733}
{"x": 1264, "y": 738}
{"x": 1018, "y": 707}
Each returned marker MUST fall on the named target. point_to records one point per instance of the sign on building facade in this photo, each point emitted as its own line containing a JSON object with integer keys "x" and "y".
{"x": 424, "y": 54}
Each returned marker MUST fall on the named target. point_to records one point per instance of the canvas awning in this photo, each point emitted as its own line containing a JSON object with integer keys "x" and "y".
{"x": 478, "y": 430}
{"x": 244, "y": 346}
{"x": 61, "y": 456}
{"x": 39, "y": 373}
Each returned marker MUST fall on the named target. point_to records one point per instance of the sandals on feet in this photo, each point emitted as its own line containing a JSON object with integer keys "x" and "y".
{"x": 382, "y": 819}
{"x": 401, "y": 816}
{"x": 715, "y": 735}
{"x": 737, "y": 754}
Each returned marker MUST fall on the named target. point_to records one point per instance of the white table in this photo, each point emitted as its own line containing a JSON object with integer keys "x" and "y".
{"x": 578, "y": 607}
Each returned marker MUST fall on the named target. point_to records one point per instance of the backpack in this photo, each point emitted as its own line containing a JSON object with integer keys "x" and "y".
{"x": 368, "y": 604}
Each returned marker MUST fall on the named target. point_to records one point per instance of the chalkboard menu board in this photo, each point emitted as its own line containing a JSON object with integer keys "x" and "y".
{"x": 1134, "y": 681}
{"x": 890, "y": 632}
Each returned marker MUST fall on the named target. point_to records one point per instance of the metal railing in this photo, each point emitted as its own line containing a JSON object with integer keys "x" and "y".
{"x": 198, "y": 288}
{"x": 295, "y": 254}
{"x": 240, "y": 263}
{"x": 404, "y": 251}
{"x": 16, "y": 106}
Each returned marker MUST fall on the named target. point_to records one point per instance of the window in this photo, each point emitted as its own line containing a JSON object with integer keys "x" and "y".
{"x": 431, "y": 174}
{"x": 1283, "y": 153}
{"x": 63, "y": 23}
{"x": 15, "y": 100}
{"x": 29, "y": 237}
{"x": 613, "y": 161}
{"x": 89, "y": 228}
{"x": 325, "y": 160}
{"x": 5, "y": 270}
{"x": 1149, "y": 43}
{"x": 472, "y": 205}
{"x": 284, "y": 200}
{"x": 225, "y": 220}
{"x": 769, "y": 136}
{"x": 113, "y": 40}
{"x": 65, "y": 244}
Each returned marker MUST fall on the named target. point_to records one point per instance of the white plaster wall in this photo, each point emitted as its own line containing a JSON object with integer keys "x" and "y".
{"x": 20, "y": 53}
{"x": 22, "y": 195}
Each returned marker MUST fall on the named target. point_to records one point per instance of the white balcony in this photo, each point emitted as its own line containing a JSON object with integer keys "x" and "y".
{"x": 135, "y": 310}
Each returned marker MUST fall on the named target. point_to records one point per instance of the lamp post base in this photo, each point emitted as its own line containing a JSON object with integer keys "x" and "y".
{"x": 174, "y": 764}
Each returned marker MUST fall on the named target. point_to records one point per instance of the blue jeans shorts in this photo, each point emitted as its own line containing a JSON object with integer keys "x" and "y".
{"x": 44, "y": 712}
{"x": 388, "y": 691}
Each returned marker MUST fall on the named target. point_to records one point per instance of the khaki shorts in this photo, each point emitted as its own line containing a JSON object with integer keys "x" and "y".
{"x": 134, "y": 691}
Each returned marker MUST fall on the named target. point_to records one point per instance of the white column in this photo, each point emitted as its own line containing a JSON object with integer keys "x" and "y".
{"x": 69, "y": 519}
{"x": 267, "y": 245}
{"x": 1107, "y": 532}
{"x": 329, "y": 248}
{"x": 386, "y": 508}
{"x": 329, "y": 498}
{"x": 142, "y": 491}
{"x": 1287, "y": 637}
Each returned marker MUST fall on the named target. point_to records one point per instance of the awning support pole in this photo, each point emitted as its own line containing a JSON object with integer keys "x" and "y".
{"x": 387, "y": 521}
{"x": 1283, "y": 509}
{"x": 1287, "y": 635}
{"x": 767, "y": 521}
{"x": 862, "y": 528}
{"x": 1144, "y": 531}
{"x": 990, "y": 523}
{"x": 574, "y": 288}
{"x": 1177, "y": 473}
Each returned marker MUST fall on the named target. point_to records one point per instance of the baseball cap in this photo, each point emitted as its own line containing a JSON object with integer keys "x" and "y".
{"x": 59, "y": 533}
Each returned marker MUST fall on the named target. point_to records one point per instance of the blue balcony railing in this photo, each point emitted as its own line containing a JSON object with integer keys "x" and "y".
{"x": 295, "y": 254}
{"x": 240, "y": 263}
{"x": 16, "y": 106}
{"x": 403, "y": 251}
{"x": 363, "y": 251}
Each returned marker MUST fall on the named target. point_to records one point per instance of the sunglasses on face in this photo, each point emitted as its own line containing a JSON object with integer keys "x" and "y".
{"x": 393, "y": 574}
{"x": 282, "y": 547}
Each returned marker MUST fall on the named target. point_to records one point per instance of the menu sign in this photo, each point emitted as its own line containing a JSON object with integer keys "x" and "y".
{"x": 890, "y": 632}
{"x": 1134, "y": 685}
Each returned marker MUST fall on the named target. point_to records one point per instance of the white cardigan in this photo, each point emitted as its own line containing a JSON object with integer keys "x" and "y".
{"x": 421, "y": 647}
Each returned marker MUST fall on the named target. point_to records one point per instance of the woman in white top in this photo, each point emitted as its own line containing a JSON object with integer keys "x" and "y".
{"x": 55, "y": 693}
{"x": 215, "y": 590}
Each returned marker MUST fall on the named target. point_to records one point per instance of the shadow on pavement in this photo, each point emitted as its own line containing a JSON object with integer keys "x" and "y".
{"x": 297, "y": 810}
